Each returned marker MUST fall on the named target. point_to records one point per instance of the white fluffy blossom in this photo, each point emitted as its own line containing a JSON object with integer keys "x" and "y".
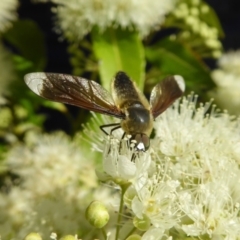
{"x": 78, "y": 17}
{"x": 7, "y": 13}
{"x": 55, "y": 182}
{"x": 227, "y": 79}
{"x": 52, "y": 158}
{"x": 116, "y": 154}
{"x": 185, "y": 186}
{"x": 191, "y": 187}
{"x": 195, "y": 186}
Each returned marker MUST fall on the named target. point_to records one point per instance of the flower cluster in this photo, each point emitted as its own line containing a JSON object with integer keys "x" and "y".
{"x": 191, "y": 14}
{"x": 187, "y": 184}
{"x": 53, "y": 185}
{"x": 227, "y": 79}
{"x": 77, "y": 18}
{"x": 7, "y": 13}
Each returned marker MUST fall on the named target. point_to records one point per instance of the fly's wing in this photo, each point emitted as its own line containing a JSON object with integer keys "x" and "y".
{"x": 73, "y": 90}
{"x": 165, "y": 93}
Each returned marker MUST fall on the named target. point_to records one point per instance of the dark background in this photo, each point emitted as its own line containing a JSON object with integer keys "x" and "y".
{"x": 228, "y": 12}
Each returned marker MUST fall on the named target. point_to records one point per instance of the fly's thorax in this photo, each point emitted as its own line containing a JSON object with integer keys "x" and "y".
{"x": 138, "y": 119}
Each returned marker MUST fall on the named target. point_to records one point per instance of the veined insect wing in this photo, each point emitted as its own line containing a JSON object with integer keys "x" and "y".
{"x": 73, "y": 90}
{"x": 165, "y": 93}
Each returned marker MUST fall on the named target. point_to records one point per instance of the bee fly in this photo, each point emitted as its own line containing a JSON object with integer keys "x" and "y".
{"x": 127, "y": 102}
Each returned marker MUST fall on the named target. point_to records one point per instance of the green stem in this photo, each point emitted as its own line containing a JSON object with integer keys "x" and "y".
{"x": 123, "y": 189}
{"x": 104, "y": 233}
{"x": 132, "y": 231}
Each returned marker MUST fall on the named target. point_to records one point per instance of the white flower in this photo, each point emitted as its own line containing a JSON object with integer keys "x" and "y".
{"x": 227, "y": 79}
{"x": 120, "y": 162}
{"x": 195, "y": 187}
{"x": 53, "y": 158}
{"x": 153, "y": 234}
{"x": 57, "y": 182}
{"x": 78, "y": 17}
{"x": 7, "y": 13}
{"x": 123, "y": 164}
{"x": 230, "y": 62}
{"x": 191, "y": 181}
{"x": 185, "y": 185}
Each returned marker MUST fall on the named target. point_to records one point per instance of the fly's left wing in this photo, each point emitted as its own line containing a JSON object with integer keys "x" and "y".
{"x": 165, "y": 93}
{"x": 73, "y": 90}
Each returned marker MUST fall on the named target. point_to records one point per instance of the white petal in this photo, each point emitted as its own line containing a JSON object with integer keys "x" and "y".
{"x": 109, "y": 166}
{"x": 137, "y": 207}
{"x": 126, "y": 168}
{"x": 153, "y": 234}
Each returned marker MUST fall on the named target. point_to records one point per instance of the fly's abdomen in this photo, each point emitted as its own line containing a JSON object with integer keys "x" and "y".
{"x": 124, "y": 89}
{"x": 125, "y": 93}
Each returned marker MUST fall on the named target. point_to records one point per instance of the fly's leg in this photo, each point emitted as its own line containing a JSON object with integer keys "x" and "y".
{"x": 115, "y": 127}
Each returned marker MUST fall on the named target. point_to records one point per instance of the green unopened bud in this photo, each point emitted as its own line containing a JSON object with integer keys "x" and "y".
{"x": 33, "y": 236}
{"x": 134, "y": 237}
{"x": 142, "y": 224}
{"x": 97, "y": 214}
{"x": 68, "y": 237}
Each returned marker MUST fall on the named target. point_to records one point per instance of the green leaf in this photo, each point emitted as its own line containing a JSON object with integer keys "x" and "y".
{"x": 119, "y": 50}
{"x": 175, "y": 58}
{"x": 28, "y": 40}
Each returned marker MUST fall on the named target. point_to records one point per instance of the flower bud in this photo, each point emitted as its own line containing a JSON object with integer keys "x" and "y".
{"x": 97, "y": 214}
{"x": 33, "y": 236}
{"x": 142, "y": 224}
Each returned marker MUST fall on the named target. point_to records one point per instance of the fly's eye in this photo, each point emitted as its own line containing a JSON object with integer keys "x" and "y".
{"x": 141, "y": 142}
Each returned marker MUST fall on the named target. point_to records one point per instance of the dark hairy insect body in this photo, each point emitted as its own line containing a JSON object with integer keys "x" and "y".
{"x": 127, "y": 102}
{"x": 138, "y": 119}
